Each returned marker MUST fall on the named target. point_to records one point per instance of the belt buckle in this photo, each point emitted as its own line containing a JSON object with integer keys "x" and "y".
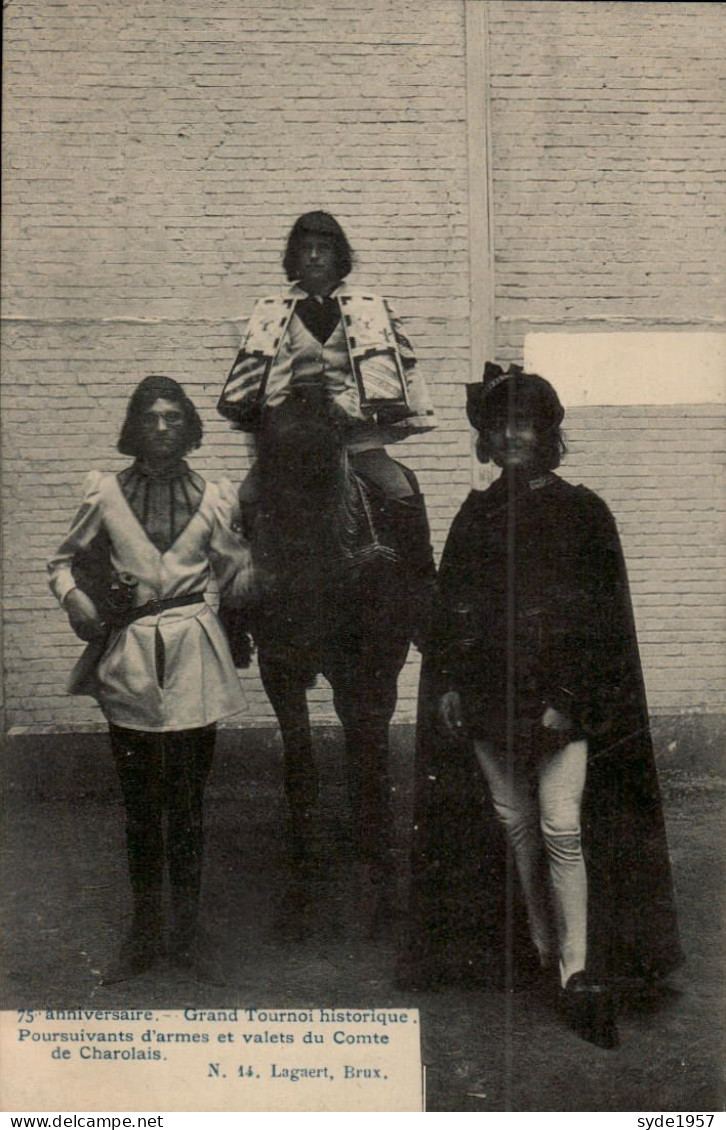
{"x": 154, "y": 607}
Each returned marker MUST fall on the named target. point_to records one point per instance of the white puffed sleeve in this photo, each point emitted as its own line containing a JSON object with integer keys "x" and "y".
{"x": 83, "y": 530}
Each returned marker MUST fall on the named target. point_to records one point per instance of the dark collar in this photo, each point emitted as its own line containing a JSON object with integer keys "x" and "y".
{"x": 175, "y": 471}
{"x": 525, "y": 480}
{"x": 164, "y": 503}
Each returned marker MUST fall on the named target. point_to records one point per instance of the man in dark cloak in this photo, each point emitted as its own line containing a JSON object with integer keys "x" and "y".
{"x": 533, "y": 651}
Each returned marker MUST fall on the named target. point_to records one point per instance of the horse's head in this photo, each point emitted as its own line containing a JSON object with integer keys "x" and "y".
{"x": 316, "y": 549}
{"x": 314, "y": 523}
{"x": 301, "y": 451}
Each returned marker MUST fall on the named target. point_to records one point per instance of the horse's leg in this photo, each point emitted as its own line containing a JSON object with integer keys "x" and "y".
{"x": 366, "y": 749}
{"x": 365, "y": 718}
{"x": 365, "y": 707}
{"x": 287, "y": 692}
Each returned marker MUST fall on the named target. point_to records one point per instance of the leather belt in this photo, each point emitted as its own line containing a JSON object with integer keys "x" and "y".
{"x": 155, "y": 607}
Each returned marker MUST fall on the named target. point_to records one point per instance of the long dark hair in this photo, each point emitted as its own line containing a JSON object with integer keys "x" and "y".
{"x": 317, "y": 223}
{"x": 144, "y": 395}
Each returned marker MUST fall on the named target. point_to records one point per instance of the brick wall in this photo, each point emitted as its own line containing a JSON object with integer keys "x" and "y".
{"x": 156, "y": 156}
{"x": 609, "y": 191}
{"x": 608, "y": 123}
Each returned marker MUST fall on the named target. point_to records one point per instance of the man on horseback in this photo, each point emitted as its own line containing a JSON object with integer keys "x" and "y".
{"x": 322, "y": 334}
{"x": 340, "y": 541}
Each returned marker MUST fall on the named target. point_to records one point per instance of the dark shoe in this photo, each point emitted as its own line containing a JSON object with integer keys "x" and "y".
{"x": 589, "y": 1009}
{"x": 131, "y": 962}
{"x": 141, "y": 946}
{"x": 194, "y": 963}
{"x": 190, "y": 949}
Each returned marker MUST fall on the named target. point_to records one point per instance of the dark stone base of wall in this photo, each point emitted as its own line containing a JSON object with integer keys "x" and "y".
{"x": 64, "y": 766}
{"x": 692, "y": 742}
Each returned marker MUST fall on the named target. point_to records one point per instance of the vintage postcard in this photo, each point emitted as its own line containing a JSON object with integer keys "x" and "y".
{"x": 363, "y": 417}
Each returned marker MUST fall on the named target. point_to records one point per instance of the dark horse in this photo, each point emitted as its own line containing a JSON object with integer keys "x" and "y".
{"x": 336, "y": 596}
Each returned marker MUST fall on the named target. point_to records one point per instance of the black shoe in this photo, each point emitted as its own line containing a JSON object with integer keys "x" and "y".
{"x": 589, "y": 1009}
{"x": 190, "y": 958}
{"x": 189, "y": 948}
{"x": 197, "y": 966}
{"x": 140, "y": 950}
{"x": 143, "y": 944}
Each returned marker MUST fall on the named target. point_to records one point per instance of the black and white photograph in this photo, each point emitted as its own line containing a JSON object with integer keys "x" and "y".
{"x": 364, "y": 546}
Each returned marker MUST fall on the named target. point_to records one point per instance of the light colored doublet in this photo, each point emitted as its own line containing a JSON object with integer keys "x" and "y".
{"x": 200, "y": 684}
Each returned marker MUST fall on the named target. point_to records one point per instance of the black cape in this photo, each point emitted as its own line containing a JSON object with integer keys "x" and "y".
{"x": 533, "y": 600}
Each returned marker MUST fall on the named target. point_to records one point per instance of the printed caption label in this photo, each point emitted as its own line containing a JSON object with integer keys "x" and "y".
{"x": 237, "y": 1059}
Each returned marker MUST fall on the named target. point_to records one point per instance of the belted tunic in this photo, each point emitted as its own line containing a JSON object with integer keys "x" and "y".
{"x": 170, "y": 669}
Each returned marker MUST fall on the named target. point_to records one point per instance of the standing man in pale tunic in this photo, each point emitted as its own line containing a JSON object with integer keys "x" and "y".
{"x": 158, "y": 661}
